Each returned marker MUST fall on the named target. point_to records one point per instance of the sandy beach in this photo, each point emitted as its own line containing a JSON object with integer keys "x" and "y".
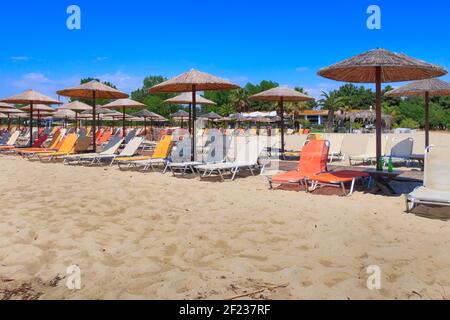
{"x": 153, "y": 236}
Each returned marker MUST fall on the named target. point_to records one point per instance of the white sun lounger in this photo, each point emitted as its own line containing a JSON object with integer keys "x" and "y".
{"x": 336, "y": 142}
{"x": 12, "y": 139}
{"x": 215, "y": 154}
{"x": 370, "y": 155}
{"x": 247, "y": 158}
{"x": 129, "y": 151}
{"x": 436, "y": 184}
{"x": 110, "y": 149}
{"x": 401, "y": 150}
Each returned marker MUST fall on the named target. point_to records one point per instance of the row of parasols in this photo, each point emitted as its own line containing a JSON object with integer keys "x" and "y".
{"x": 376, "y": 66}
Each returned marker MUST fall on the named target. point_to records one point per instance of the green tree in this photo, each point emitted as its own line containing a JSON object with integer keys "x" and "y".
{"x": 332, "y": 102}
{"x": 154, "y": 102}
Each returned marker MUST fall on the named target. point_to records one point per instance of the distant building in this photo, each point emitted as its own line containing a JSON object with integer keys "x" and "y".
{"x": 315, "y": 117}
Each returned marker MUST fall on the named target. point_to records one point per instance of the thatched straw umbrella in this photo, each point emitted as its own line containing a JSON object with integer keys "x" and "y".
{"x": 423, "y": 88}
{"x": 211, "y": 116}
{"x": 193, "y": 81}
{"x": 93, "y": 90}
{"x": 42, "y": 109}
{"x": 8, "y": 110}
{"x": 186, "y": 98}
{"x": 31, "y": 97}
{"x": 99, "y": 112}
{"x": 281, "y": 95}
{"x": 76, "y": 107}
{"x": 65, "y": 114}
{"x": 146, "y": 114}
{"x": 379, "y": 66}
{"x": 124, "y": 104}
{"x": 180, "y": 115}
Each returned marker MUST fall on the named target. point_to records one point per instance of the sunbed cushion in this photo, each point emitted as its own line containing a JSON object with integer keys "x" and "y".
{"x": 427, "y": 194}
{"x": 339, "y": 176}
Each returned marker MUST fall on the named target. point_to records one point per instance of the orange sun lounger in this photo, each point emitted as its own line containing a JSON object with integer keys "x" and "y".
{"x": 313, "y": 161}
{"x": 338, "y": 179}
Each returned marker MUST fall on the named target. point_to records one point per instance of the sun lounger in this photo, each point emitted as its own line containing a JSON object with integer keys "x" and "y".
{"x": 370, "y": 155}
{"x": 11, "y": 140}
{"x": 217, "y": 150}
{"x": 129, "y": 151}
{"x": 336, "y": 142}
{"x": 67, "y": 147}
{"x": 313, "y": 161}
{"x": 401, "y": 151}
{"x": 436, "y": 184}
{"x": 160, "y": 156}
{"x": 55, "y": 146}
{"x": 337, "y": 179}
{"x": 246, "y": 159}
{"x": 109, "y": 149}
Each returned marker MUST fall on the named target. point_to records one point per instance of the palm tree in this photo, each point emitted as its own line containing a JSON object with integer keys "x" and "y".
{"x": 332, "y": 103}
{"x": 239, "y": 99}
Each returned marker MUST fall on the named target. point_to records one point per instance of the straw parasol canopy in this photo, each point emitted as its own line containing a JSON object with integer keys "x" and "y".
{"x": 93, "y": 90}
{"x": 193, "y": 81}
{"x": 124, "y": 104}
{"x": 180, "y": 115}
{"x": 64, "y": 114}
{"x": 4, "y": 105}
{"x": 423, "y": 88}
{"x": 193, "y": 78}
{"x": 379, "y": 66}
{"x": 281, "y": 95}
{"x": 146, "y": 114}
{"x": 9, "y": 111}
{"x": 42, "y": 110}
{"x": 31, "y": 97}
{"x": 76, "y": 107}
{"x": 186, "y": 98}
{"x": 211, "y": 116}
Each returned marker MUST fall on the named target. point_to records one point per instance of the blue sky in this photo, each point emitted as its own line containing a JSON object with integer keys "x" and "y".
{"x": 242, "y": 40}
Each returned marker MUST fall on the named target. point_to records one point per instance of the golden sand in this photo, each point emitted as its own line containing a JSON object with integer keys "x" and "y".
{"x": 153, "y": 236}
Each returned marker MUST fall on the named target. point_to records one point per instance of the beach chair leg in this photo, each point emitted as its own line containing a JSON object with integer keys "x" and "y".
{"x": 270, "y": 183}
{"x": 251, "y": 171}
{"x": 221, "y": 175}
{"x": 352, "y": 188}
{"x": 263, "y": 168}
{"x": 165, "y": 169}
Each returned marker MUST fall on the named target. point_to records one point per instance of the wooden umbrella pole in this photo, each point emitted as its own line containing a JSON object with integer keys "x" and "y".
{"x": 9, "y": 122}
{"x": 194, "y": 116}
{"x": 123, "y": 121}
{"x": 31, "y": 124}
{"x": 190, "y": 118}
{"x": 76, "y": 121}
{"x": 39, "y": 123}
{"x": 427, "y": 119}
{"x": 282, "y": 126}
{"x": 94, "y": 124}
{"x": 145, "y": 125}
{"x": 378, "y": 116}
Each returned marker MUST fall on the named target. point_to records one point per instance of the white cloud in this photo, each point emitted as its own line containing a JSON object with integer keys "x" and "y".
{"x": 122, "y": 81}
{"x": 40, "y": 82}
{"x": 19, "y": 58}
